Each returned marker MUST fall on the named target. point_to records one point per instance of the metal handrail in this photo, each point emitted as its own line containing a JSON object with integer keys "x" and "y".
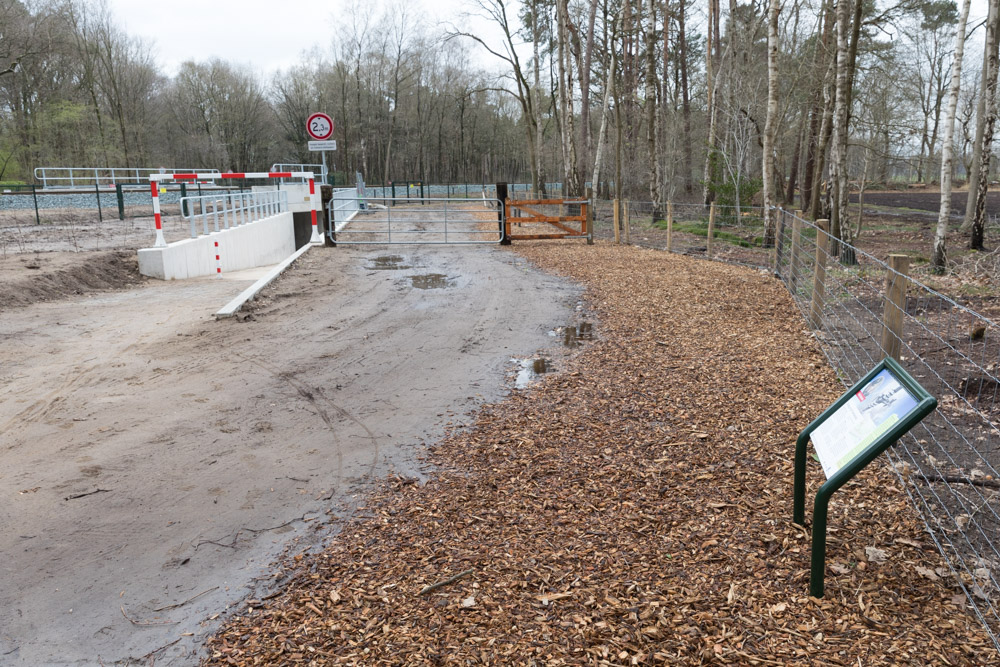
{"x": 236, "y": 208}
{"x": 88, "y": 177}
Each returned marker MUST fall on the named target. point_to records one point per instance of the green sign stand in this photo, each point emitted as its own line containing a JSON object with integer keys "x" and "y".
{"x": 850, "y": 434}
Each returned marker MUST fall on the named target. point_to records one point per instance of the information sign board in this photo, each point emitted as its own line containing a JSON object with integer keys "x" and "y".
{"x": 319, "y": 126}
{"x": 874, "y": 409}
{"x": 323, "y": 145}
{"x": 865, "y": 421}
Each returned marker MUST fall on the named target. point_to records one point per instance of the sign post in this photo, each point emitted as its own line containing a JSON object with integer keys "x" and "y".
{"x": 865, "y": 421}
{"x": 319, "y": 126}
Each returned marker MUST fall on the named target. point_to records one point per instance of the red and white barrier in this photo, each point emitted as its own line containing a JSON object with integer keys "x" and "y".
{"x": 154, "y": 180}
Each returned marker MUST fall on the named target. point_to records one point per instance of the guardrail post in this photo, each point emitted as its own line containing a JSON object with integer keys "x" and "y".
{"x": 895, "y": 305}
{"x": 670, "y": 226}
{"x": 617, "y": 221}
{"x": 711, "y": 229}
{"x": 589, "y": 215}
{"x": 793, "y": 257}
{"x": 819, "y": 273}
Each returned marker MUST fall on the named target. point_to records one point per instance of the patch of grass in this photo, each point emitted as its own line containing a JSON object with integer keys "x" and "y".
{"x": 701, "y": 229}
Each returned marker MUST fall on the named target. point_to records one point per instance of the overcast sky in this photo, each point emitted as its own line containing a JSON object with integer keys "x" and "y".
{"x": 266, "y": 34}
{"x": 271, "y": 35}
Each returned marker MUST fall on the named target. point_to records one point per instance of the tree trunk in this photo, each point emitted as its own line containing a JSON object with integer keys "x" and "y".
{"x": 685, "y": 97}
{"x": 938, "y": 254}
{"x": 984, "y": 139}
{"x": 710, "y": 157}
{"x": 771, "y": 119}
{"x": 655, "y": 192}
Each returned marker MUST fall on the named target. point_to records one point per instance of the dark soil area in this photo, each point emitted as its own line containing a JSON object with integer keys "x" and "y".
{"x": 926, "y": 200}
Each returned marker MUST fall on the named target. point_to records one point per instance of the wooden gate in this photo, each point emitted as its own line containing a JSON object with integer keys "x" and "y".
{"x": 531, "y": 219}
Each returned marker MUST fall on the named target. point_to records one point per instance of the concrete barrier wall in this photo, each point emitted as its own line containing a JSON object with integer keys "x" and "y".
{"x": 260, "y": 243}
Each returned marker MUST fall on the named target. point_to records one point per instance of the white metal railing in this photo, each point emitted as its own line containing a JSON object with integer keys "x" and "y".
{"x": 232, "y": 209}
{"x": 88, "y": 177}
{"x": 320, "y": 168}
{"x": 344, "y": 205}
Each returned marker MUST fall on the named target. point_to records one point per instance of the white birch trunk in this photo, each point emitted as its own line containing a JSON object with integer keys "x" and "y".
{"x": 938, "y": 257}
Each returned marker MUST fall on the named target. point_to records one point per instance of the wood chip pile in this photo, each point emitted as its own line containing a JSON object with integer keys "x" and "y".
{"x": 632, "y": 508}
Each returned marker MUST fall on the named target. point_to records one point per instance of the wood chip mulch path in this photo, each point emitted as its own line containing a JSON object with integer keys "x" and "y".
{"x": 633, "y": 508}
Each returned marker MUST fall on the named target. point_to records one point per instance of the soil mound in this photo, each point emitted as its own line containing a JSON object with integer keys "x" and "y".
{"x": 28, "y": 279}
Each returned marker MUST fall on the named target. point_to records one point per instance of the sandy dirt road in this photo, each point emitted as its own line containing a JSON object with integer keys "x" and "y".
{"x": 153, "y": 461}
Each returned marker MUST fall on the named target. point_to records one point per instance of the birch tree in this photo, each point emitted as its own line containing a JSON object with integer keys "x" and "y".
{"x": 938, "y": 254}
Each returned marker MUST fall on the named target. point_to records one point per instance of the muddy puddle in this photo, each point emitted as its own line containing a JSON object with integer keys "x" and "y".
{"x": 572, "y": 335}
{"x": 530, "y": 370}
{"x": 431, "y": 281}
{"x": 388, "y": 263}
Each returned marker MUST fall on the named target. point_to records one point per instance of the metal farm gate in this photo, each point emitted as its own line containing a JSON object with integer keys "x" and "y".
{"x": 364, "y": 220}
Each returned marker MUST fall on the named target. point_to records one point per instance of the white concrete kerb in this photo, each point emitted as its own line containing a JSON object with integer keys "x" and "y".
{"x": 231, "y": 308}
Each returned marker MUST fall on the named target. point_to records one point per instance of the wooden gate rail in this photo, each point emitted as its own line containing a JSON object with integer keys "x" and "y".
{"x": 557, "y": 221}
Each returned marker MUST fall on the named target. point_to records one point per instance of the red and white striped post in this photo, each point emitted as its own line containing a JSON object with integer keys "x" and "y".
{"x": 218, "y": 261}
{"x": 155, "y": 187}
{"x": 312, "y": 204}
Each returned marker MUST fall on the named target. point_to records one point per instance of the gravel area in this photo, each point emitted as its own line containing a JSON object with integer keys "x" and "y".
{"x": 633, "y": 507}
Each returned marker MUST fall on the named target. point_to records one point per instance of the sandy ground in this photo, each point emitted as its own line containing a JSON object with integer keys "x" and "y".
{"x": 155, "y": 461}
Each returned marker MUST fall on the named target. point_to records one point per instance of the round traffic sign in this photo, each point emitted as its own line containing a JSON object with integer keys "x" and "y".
{"x": 319, "y": 126}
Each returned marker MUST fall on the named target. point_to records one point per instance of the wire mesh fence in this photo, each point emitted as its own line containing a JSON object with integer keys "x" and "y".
{"x": 948, "y": 463}
{"x": 729, "y": 234}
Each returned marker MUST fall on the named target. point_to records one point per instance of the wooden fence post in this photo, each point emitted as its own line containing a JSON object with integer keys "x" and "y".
{"x": 617, "y": 218}
{"x": 628, "y": 229}
{"x": 895, "y": 305}
{"x": 793, "y": 258}
{"x": 711, "y": 229}
{"x": 819, "y": 273}
{"x": 670, "y": 226}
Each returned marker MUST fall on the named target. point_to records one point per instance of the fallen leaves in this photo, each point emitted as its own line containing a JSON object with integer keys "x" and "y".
{"x": 631, "y": 509}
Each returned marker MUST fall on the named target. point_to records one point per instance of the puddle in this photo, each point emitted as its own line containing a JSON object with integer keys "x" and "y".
{"x": 530, "y": 370}
{"x": 572, "y": 335}
{"x": 389, "y": 263}
{"x": 431, "y": 281}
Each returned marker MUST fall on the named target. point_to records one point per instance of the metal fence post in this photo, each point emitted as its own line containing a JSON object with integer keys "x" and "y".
{"x": 819, "y": 273}
{"x": 97, "y": 191}
{"x": 617, "y": 220}
{"x": 34, "y": 198}
{"x": 793, "y": 257}
{"x": 120, "y": 196}
{"x": 895, "y": 305}
{"x": 670, "y": 226}
{"x": 502, "y": 212}
{"x": 589, "y": 215}
{"x": 184, "y": 204}
{"x": 780, "y": 242}
{"x": 711, "y": 229}
{"x": 628, "y": 222}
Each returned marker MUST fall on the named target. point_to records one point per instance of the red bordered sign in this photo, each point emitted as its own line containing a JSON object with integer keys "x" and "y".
{"x": 319, "y": 126}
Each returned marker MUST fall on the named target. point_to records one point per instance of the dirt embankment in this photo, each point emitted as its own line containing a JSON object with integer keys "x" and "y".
{"x": 49, "y": 276}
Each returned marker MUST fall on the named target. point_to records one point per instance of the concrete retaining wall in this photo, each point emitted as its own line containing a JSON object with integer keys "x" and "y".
{"x": 260, "y": 243}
